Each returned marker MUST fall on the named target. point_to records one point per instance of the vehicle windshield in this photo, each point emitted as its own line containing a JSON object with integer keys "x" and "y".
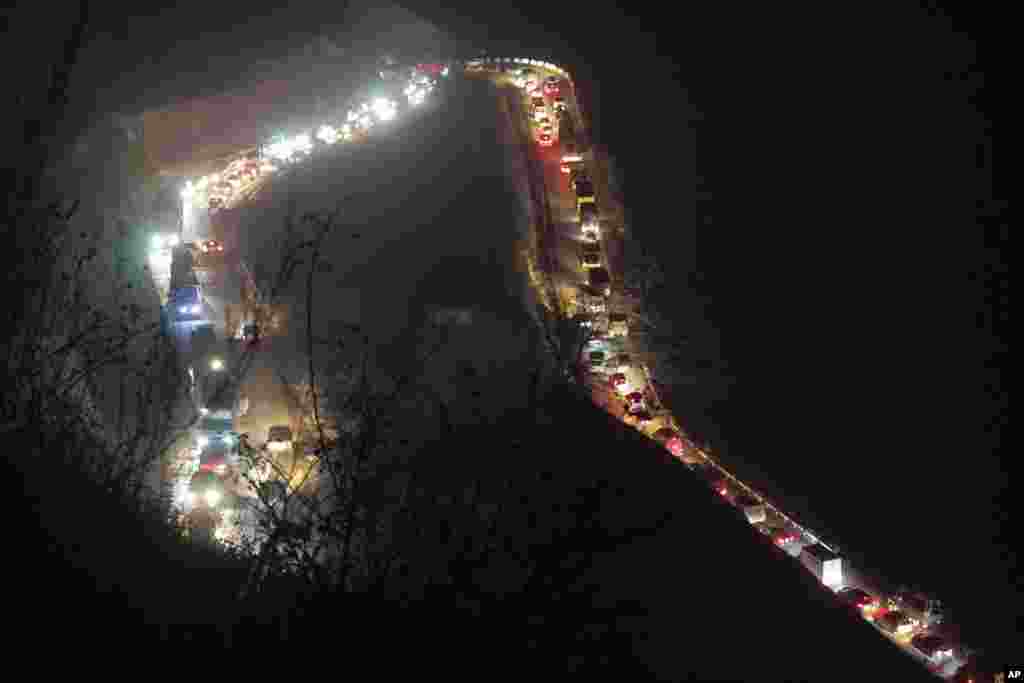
{"x": 185, "y": 294}
{"x": 215, "y": 424}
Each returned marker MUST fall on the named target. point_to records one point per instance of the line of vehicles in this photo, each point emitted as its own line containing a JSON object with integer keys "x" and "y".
{"x": 912, "y": 619}
{"x": 242, "y": 176}
{"x": 208, "y": 487}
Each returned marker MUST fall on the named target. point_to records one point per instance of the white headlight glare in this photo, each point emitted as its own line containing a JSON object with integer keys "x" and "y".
{"x": 203, "y": 441}
{"x": 212, "y": 498}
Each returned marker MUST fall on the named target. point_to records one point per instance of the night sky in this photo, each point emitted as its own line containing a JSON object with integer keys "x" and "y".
{"x": 845, "y": 282}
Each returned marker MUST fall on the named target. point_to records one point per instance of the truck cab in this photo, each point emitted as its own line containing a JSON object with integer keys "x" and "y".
{"x": 600, "y": 280}
{"x": 584, "y": 189}
{"x": 186, "y": 302}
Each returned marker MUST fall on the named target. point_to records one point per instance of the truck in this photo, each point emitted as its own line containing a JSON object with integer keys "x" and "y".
{"x": 584, "y": 189}
{"x": 753, "y": 509}
{"x": 826, "y": 565}
{"x": 588, "y": 217}
{"x": 618, "y": 325}
{"x": 590, "y": 300}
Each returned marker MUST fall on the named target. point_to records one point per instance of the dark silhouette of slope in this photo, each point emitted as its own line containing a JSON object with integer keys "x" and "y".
{"x": 599, "y": 532}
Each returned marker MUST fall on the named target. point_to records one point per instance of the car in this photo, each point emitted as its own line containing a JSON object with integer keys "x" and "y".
{"x": 784, "y": 537}
{"x": 251, "y": 335}
{"x": 590, "y": 301}
{"x": 640, "y": 417}
{"x": 583, "y": 187}
{"x": 635, "y": 402}
{"x": 909, "y": 602}
{"x": 588, "y": 217}
{"x": 184, "y": 255}
{"x": 896, "y": 623}
{"x": 186, "y": 301}
{"x": 722, "y": 488}
{"x": 545, "y": 140}
{"x": 933, "y": 647}
{"x": 618, "y": 381}
{"x": 206, "y": 488}
{"x": 211, "y": 247}
{"x": 855, "y": 597}
{"x": 590, "y": 259}
{"x": 214, "y": 457}
{"x": 279, "y": 437}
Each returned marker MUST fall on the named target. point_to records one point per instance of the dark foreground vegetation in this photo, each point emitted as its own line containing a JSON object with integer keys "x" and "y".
{"x": 530, "y": 547}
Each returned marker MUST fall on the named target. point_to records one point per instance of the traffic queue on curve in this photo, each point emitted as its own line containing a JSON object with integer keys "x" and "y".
{"x": 912, "y": 619}
{"x": 206, "y": 481}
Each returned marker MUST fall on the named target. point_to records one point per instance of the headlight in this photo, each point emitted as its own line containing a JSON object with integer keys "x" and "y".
{"x": 195, "y": 308}
{"x": 189, "y": 497}
{"x": 173, "y": 240}
{"x": 183, "y": 309}
{"x": 229, "y": 440}
{"x": 157, "y": 241}
{"x": 203, "y": 411}
{"x": 212, "y": 497}
{"x": 221, "y": 469}
{"x": 203, "y": 442}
